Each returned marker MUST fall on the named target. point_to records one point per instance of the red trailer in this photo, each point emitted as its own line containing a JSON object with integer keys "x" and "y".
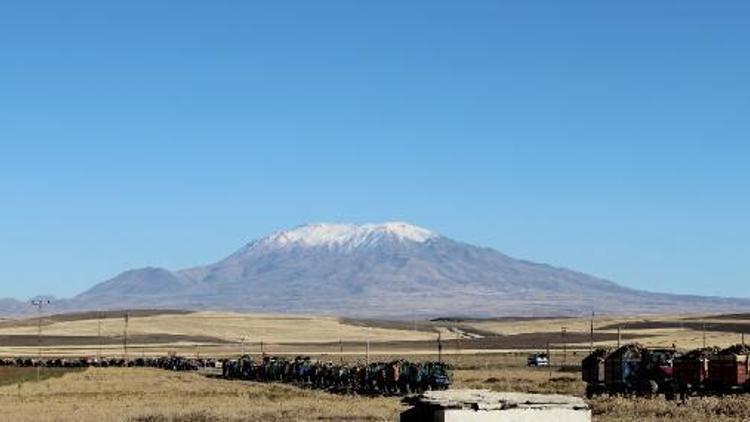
{"x": 729, "y": 369}
{"x": 691, "y": 370}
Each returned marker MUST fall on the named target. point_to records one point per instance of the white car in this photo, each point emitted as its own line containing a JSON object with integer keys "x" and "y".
{"x": 540, "y": 359}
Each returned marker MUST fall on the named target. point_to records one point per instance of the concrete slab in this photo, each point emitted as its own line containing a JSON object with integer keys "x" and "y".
{"x": 486, "y": 405}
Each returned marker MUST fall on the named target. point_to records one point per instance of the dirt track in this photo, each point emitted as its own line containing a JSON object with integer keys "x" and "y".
{"x": 495, "y": 342}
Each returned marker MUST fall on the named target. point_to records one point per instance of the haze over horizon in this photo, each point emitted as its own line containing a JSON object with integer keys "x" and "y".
{"x": 605, "y": 138}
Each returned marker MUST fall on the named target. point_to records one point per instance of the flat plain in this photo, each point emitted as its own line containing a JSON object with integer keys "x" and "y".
{"x": 227, "y": 334}
{"x": 485, "y": 354}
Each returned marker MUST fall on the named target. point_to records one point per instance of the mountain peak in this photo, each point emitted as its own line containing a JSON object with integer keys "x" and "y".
{"x": 377, "y": 270}
{"x": 347, "y": 236}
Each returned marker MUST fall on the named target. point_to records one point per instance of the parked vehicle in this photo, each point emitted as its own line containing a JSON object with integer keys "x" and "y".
{"x": 538, "y": 359}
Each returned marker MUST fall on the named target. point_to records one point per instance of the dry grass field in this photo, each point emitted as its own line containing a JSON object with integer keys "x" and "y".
{"x": 134, "y": 394}
{"x": 147, "y": 395}
{"x": 13, "y": 376}
{"x": 190, "y": 333}
{"x": 227, "y": 334}
{"x": 230, "y": 327}
{"x": 487, "y": 354}
{"x": 684, "y": 331}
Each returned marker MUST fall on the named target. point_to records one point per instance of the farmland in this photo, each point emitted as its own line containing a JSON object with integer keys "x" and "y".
{"x": 138, "y": 394}
{"x": 485, "y": 353}
{"x": 227, "y": 334}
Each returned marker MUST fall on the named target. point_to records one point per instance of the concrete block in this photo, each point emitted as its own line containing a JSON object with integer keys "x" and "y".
{"x": 486, "y": 406}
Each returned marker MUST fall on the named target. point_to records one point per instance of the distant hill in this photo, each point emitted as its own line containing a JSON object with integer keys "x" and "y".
{"x": 391, "y": 270}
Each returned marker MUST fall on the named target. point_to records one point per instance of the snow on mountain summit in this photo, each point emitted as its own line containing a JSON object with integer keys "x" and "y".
{"x": 347, "y": 236}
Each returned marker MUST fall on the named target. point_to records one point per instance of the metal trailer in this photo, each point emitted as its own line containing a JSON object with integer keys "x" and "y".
{"x": 592, "y": 372}
{"x": 630, "y": 370}
{"x": 729, "y": 370}
{"x": 620, "y": 369}
{"x": 691, "y": 371}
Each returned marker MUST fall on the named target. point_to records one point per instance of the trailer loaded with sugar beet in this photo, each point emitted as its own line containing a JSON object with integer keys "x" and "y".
{"x": 691, "y": 371}
{"x": 592, "y": 368}
{"x": 636, "y": 370}
{"x": 728, "y": 370}
{"x": 629, "y": 370}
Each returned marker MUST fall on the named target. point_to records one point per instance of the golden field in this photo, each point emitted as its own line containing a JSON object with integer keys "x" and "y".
{"x": 147, "y": 395}
{"x": 228, "y": 334}
{"x": 135, "y": 394}
{"x": 486, "y": 354}
{"x": 683, "y": 331}
{"x": 231, "y": 327}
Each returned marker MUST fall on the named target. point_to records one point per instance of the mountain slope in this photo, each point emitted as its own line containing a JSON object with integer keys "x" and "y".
{"x": 9, "y": 307}
{"x": 387, "y": 270}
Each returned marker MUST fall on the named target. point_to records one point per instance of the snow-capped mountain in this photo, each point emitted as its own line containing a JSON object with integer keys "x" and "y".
{"x": 384, "y": 270}
{"x": 344, "y": 237}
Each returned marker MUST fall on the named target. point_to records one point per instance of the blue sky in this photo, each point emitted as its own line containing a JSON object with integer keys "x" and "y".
{"x": 608, "y": 137}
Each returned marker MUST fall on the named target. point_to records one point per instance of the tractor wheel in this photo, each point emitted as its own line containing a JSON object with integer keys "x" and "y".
{"x": 669, "y": 393}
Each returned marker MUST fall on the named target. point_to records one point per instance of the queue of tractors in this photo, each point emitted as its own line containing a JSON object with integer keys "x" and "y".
{"x": 636, "y": 370}
{"x": 399, "y": 377}
{"x": 172, "y": 363}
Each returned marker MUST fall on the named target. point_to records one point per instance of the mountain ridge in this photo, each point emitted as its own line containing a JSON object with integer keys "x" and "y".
{"x": 391, "y": 269}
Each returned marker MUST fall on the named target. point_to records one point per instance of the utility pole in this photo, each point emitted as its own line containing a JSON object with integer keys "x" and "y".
{"x": 125, "y": 336}
{"x": 704, "y": 335}
{"x": 242, "y": 346}
{"x": 743, "y": 339}
{"x": 99, "y": 338}
{"x": 549, "y": 361}
{"x": 458, "y": 347}
{"x": 619, "y": 336}
{"x": 563, "y": 331}
{"x": 40, "y": 304}
{"x": 262, "y": 350}
{"x": 367, "y": 347}
{"x": 440, "y": 348}
{"x": 591, "y": 346}
{"x": 341, "y": 351}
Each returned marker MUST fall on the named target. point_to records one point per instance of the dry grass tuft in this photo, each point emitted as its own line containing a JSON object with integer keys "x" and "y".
{"x": 694, "y": 410}
{"x": 518, "y": 379}
{"x": 10, "y": 375}
{"x": 135, "y": 394}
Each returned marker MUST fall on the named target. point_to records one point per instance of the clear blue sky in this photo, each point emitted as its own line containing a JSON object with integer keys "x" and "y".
{"x": 608, "y": 137}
